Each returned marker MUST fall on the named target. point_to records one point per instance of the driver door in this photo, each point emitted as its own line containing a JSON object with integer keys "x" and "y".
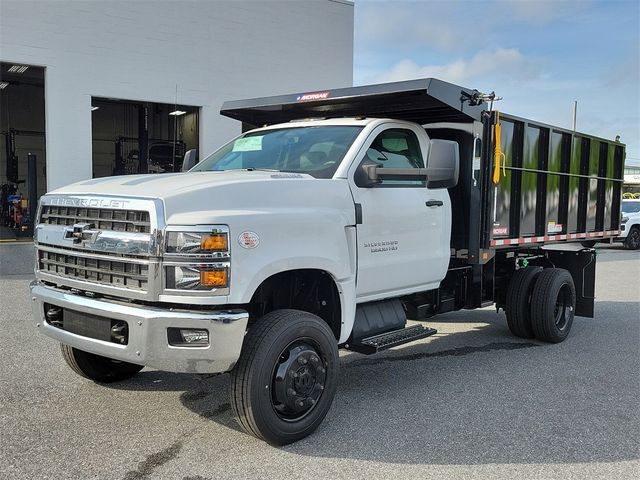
{"x": 403, "y": 237}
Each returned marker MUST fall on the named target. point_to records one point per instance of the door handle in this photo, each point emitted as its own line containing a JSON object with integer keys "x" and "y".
{"x": 434, "y": 203}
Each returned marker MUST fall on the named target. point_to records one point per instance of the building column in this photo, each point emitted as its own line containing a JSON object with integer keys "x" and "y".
{"x": 68, "y": 130}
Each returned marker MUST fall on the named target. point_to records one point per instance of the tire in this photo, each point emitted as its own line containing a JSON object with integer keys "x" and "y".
{"x": 518, "y": 304}
{"x": 286, "y": 377}
{"x": 632, "y": 242}
{"x": 553, "y": 303}
{"x": 589, "y": 243}
{"x": 97, "y": 368}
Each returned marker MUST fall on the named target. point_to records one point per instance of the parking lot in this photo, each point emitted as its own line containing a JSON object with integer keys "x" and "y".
{"x": 470, "y": 402}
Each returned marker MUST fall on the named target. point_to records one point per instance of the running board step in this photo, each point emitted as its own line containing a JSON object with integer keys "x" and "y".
{"x": 394, "y": 338}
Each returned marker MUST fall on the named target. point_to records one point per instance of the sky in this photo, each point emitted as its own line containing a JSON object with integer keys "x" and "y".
{"x": 538, "y": 55}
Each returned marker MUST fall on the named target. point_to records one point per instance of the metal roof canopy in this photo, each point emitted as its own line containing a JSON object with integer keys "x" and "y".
{"x": 422, "y": 101}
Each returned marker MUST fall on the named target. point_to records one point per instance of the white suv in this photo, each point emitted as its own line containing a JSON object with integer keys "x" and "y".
{"x": 630, "y": 225}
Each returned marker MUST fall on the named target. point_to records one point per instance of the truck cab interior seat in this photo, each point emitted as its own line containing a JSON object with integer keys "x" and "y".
{"x": 312, "y": 160}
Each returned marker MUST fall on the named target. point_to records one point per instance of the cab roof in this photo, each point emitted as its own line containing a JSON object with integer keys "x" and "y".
{"x": 422, "y": 101}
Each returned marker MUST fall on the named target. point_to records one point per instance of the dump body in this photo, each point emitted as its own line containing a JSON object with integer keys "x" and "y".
{"x": 556, "y": 185}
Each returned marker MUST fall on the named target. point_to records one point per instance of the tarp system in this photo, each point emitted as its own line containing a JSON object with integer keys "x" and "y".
{"x": 422, "y": 101}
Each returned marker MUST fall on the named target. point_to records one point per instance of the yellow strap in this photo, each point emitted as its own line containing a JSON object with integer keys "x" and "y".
{"x": 499, "y": 156}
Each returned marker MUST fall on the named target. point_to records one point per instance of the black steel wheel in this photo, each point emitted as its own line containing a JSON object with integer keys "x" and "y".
{"x": 97, "y": 368}
{"x": 286, "y": 377}
{"x": 632, "y": 242}
{"x": 518, "y": 304}
{"x": 553, "y": 304}
{"x": 298, "y": 380}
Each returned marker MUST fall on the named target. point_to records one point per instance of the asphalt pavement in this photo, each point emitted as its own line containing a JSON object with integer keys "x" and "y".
{"x": 469, "y": 402}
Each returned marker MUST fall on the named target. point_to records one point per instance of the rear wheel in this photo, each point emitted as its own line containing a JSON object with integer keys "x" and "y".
{"x": 588, "y": 243}
{"x": 518, "y": 304}
{"x": 632, "y": 241}
{"x": 286, "y": 377}
{"x": 97, "y": 368}
{"x": 553, "y": 303}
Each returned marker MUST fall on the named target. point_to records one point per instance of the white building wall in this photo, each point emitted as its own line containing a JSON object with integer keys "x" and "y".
{"x": 140, "y": 50}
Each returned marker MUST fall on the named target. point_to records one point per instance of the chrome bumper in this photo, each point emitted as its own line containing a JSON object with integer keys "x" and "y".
{"x": 148, "y": 344}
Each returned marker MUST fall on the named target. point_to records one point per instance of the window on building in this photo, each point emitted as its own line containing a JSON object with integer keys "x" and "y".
{"x": 22, "y": 132}
{"x": 141, "y": 137}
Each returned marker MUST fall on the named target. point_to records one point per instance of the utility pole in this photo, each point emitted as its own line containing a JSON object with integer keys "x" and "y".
{"x": 575, "y": 114}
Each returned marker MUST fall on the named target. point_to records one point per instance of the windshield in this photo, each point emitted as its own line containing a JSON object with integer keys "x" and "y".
{"x": 630, "y": 207}
{"x": 314, "y": 150}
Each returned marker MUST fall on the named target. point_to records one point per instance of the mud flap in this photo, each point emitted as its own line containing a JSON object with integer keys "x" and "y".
{"x": 582, "y": 267}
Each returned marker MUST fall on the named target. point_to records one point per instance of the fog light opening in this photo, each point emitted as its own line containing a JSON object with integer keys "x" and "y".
{"x": 119, "y": 332}
{"x": 53, "y": 315}
{"x": 188, "y": 337}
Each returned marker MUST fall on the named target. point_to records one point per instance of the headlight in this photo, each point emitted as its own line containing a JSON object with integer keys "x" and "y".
{"x": 196, "y": 259}
{"x": 196, "y": 277}
{"x": 215, "y": 240}
{"x": 624, "y": 219}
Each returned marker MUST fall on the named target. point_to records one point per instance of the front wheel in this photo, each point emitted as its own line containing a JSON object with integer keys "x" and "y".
{"x": 97, "y": 368}
{"x": 286, "y": 377}
{"x": 632, "y": 242}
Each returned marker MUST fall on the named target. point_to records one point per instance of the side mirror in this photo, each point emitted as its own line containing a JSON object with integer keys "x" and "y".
{"x": 362, "y": 177}
{"x": 443, "y": 164}
{"x": 370, "y": 174}
{"x": 190, "y": 160}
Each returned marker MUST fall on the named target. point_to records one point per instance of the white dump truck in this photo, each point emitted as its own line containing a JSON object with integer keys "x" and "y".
{"x": 345, "y": 213}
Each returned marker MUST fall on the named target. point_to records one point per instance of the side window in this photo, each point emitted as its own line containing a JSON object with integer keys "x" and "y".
{"x": 396, "y": 148}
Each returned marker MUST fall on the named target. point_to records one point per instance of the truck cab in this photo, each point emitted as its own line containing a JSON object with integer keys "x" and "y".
{"x": 402, "y": 228}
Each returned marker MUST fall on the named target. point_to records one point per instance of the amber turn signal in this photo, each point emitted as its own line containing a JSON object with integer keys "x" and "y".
{"x": 215, "y": 241}
{"x": 214, "y": 278}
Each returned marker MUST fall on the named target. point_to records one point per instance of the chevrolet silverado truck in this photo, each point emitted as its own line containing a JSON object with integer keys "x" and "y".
{"x": 344, "y": 214}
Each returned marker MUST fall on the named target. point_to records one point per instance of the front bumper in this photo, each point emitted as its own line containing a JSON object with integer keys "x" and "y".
{"x": 148, "y": 343}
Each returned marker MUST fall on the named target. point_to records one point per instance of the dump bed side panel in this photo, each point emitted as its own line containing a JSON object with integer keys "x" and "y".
{"x": 555, "y": 185}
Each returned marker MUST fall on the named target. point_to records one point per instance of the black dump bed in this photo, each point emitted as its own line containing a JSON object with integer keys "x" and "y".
{"x": 550, "y": 185}
{"x": 556, "y": 185}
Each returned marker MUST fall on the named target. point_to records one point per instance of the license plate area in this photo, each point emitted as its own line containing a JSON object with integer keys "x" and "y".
{"x": 87, "y": 325}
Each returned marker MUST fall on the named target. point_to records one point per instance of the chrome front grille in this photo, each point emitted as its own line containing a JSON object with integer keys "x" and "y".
{"x": 119, "y": 272}
{"x": 117, "y": 220}
{"x": 100, "y": 244}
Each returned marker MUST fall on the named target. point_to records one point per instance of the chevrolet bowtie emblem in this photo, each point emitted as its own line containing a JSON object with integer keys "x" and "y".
{"x": 80, "y": 231}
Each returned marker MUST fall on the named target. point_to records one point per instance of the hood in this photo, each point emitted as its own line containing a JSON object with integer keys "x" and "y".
{"x": 193, "y": 198}
{"x": 167, "y": 184}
